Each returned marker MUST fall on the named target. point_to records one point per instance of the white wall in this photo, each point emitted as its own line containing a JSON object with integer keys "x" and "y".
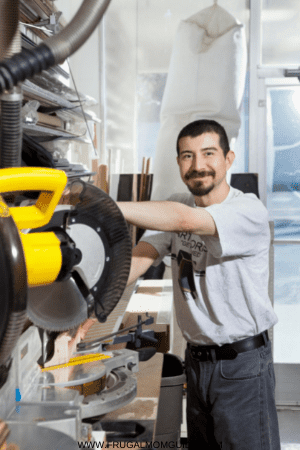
{"x": 138, "y": 38}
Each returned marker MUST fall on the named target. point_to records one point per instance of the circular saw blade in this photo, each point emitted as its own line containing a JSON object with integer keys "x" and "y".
{"x": 93, "y": 260}
{"x": 59, "y": 306}
{"x": 98, "y": 229}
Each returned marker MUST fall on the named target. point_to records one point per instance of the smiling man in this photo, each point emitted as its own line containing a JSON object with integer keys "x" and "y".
{"x": 219, "y": 242}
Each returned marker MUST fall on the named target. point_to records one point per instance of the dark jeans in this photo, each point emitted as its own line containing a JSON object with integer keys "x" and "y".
{"x": 231, "y": 404}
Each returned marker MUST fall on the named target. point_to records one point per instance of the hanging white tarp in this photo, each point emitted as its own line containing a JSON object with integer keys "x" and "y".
{"x": 205, "y": 81}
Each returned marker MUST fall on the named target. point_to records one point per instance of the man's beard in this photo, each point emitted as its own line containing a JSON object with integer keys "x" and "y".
{"x": 198, "y": 189}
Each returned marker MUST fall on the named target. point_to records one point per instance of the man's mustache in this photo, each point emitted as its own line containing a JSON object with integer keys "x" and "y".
{"x": 202, "y": 174}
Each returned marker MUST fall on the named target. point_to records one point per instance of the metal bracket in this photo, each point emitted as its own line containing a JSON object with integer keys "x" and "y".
{"x": 113, "y": 338}
{"x": 292, "y": 73}
{"x": 52, "y": 23}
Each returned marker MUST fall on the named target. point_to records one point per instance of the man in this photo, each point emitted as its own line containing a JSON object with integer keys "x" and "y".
{"x": 219, "y": 242}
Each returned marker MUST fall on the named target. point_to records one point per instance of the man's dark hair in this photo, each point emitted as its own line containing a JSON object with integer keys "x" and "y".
{"x": 199, "y": 127}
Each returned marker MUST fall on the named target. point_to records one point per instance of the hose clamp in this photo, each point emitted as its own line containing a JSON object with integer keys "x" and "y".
{"x": 14, "y": 95}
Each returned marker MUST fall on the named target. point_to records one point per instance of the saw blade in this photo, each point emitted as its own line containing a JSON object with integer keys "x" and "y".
{"x": 97, "y": 227}
{"x": 93, "y": 260}
{"x": 59, "y": 306}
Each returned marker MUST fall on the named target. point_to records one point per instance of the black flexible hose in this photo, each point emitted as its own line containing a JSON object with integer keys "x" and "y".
{"x": 13, "y": 285}
{"x": 24, "y": 65}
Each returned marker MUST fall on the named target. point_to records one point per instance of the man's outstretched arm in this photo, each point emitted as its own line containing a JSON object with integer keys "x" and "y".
{"x": 169, "y": 216}
{"x": 143, "y": 256}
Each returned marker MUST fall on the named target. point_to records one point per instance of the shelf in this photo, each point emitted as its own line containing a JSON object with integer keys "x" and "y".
{"x": 48, "y": 98}
{"x": 39, "y": 131}
{"x": 80, "y": 174}
{"x": 51, "y": 88}
{"x": 51, "y": 98}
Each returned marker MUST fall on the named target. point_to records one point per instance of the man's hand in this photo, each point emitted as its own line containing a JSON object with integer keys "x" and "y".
{"x": 169, "y": 216}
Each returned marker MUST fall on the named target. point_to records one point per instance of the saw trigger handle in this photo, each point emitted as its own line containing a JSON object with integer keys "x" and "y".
{"x": 51, "y": 183}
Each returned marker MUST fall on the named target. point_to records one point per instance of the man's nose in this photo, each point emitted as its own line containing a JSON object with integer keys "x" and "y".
{"x": 198, "y": 163}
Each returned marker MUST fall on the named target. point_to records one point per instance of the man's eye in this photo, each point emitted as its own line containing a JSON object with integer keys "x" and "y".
{"x": 209, "y": 153}
{"x": 186, "y": 156}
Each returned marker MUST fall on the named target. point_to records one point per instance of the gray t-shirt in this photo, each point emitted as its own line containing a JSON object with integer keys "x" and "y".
{"x": 221, "y": 283}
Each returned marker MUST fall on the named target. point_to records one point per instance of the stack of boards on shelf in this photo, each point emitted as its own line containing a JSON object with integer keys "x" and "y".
{"x": 59, "y": 115}
{"x": 124, "y": 187}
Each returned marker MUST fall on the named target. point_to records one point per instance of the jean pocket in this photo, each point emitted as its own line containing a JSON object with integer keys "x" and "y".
{"x": 272, "y": 375}
{"x": 245, "y": 366}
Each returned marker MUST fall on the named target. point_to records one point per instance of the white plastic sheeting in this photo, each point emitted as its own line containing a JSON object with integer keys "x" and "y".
{"x": 206, "y": 80}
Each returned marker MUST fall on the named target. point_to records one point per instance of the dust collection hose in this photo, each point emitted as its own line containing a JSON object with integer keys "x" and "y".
{"x": 11, "y": 102}
{"x": 55, "y": 49}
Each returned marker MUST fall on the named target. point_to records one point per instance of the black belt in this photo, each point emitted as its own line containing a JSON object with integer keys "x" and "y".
{"x": 227, "y": 351}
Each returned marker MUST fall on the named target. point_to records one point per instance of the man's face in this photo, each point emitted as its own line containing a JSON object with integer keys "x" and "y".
{"x": 202, "y": 163}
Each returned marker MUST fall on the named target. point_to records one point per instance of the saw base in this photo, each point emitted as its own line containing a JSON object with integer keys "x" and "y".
{"x": 62, "y": 406}
{"x": 29, "y": 437}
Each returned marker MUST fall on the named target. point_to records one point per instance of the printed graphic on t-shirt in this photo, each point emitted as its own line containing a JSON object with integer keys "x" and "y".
{"x": 185, "y": 274}
{"x": 192, "y": 243}
{"x": 191, "y": 263}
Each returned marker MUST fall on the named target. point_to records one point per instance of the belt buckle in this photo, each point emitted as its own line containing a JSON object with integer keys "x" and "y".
{"x": 230, "y": 353}
{"x": 199, "y": 354}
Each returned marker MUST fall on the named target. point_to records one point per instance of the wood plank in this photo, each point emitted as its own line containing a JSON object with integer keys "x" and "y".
{"x": 134, "y": 199}
{"x": 53, "y": 121}
{"x": 95, "y": 164}
{"x": 103, "y": 178}
{"x": 142, "y": 182}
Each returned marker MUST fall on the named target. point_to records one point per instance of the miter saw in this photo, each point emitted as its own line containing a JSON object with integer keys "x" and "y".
{"x": 74, "y": 260}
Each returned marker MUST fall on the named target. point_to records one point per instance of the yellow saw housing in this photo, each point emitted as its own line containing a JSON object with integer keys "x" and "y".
{"x": 42, "y": 250}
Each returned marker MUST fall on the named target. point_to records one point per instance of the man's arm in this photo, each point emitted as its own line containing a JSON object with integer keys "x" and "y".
{"x": 143, "y": 256}
{"x": 169, "y": 216}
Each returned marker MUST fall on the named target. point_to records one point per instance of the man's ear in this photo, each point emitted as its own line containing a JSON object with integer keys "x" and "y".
{"x": 177, "y": 159}
{"x": 230, "y": 157}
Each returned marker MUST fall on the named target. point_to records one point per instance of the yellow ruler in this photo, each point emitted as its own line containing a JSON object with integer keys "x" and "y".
{"x": 77, "y": 360}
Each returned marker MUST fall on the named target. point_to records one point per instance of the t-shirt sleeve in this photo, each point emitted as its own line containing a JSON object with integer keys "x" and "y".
{"x": 243, "y": 227}
{"x": 161, "y": 241}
